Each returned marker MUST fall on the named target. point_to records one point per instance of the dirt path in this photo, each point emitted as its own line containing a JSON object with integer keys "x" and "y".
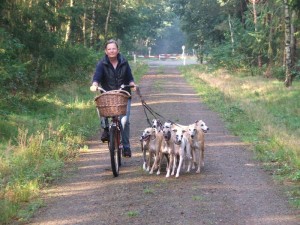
{"x": 232, "y": 189}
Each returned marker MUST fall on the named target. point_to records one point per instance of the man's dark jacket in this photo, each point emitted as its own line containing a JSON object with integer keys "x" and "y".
{"x": 110, "y": 78}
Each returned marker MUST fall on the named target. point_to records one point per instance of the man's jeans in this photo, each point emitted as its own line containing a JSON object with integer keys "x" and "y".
{"x": 125, "y": 132}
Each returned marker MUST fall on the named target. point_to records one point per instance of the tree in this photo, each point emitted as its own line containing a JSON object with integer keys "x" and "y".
{"x": 288, "y": 60}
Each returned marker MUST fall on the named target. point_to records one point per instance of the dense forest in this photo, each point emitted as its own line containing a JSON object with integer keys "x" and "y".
{"x": 43, "y": 40}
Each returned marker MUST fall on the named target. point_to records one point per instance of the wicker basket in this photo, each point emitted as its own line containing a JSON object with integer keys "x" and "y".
{"x": 112, "y": 103}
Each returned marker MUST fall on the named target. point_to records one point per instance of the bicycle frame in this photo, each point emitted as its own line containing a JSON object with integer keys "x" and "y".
{"x": 115, "y": 126}
{"x": 114, "y": 144}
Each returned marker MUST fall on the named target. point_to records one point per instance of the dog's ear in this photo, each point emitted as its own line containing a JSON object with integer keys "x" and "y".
{"x": 174, "y": 130}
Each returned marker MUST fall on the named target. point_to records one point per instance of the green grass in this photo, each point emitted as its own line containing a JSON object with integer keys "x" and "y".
{"x": 197, "y": 198}
{"x": 52, "y": 128}
{"x": 38, "y": 135}
{"x": 262, "y": 112}
{"x": 147, "y": 190}
{"x": 132, "y": 214}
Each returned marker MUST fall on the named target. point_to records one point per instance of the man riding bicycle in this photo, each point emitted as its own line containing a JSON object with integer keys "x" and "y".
{"x": 111, "y": 72}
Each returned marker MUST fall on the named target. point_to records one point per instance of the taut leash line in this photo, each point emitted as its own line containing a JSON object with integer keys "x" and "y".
{"x": 152, "y": 112}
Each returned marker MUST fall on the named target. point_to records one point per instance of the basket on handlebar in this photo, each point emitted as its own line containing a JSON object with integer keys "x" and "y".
{"x": 112, "y": 103}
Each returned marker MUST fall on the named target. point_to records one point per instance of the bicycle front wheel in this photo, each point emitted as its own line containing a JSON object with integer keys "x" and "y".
{"x": 114, "y": 150}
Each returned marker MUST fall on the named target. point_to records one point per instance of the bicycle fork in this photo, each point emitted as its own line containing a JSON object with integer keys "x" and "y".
{"x": 117, "y": 134}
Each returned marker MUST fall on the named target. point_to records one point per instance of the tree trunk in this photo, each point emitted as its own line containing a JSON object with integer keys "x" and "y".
{"x": 68, "y": 28}
{"x": 293, "y": 40}
{"x": 231, "y": 33}
{"x": 107, "y": 19}
{"x": 93, "y": 24}
{"x": 288, "y": 61}
{"x": 269, "y": 22}
{"x": 254, "y": 15}
{"x": 84, "y": 28}
{"x": 259, "y": 60}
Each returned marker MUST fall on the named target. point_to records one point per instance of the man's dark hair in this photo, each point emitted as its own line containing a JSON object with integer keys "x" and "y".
{"x": 110, "y": 42}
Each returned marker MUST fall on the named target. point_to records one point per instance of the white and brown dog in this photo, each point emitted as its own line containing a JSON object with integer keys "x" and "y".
{"x": 201, "y": 124}
{"x": 167, "y": 149}
{"x": 182, "y": 150}
{"x": 144, "y": 140}
{"x": 152, "y": 139}
{"x": 196, "y": 131}
{"x": 156, "y": 123}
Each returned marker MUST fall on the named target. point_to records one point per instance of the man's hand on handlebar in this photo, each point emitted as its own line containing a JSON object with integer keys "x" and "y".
{"x": 132, "y": 86}
{"x": 93, "y": 88}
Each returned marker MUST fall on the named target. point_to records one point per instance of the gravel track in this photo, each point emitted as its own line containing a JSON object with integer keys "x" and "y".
{"x": 232, "y": 188}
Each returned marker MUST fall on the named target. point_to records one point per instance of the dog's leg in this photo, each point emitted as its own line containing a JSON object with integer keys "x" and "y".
{"x": 153, "y": 166}
{"x": 179, "y": 165}
{"x": 169, "y": 167}
{"x": 149, "y": 160}
{"x": 144, "y": 156}
{"x": 189, "y": 157}
{"x": 161, "y": 155}
{"x": 193, "y": 150}
{"x": 199, "y": 160}
{"x": 174, "y": 165}
{"x": 202, "y": 152}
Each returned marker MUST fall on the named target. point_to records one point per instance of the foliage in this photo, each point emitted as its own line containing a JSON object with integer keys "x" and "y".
{"x": 41, "y": 42}
{"x": 239, "y": 34}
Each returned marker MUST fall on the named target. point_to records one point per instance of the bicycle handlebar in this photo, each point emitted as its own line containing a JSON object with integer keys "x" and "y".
{"x": 96, "y": 88}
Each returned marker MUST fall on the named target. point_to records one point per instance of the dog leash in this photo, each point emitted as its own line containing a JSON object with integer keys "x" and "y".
{"x": 143, "y": 102}
{"x": 150, "y": 110}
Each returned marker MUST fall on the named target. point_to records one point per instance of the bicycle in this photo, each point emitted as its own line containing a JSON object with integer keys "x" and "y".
{"x": 113, "y": 104}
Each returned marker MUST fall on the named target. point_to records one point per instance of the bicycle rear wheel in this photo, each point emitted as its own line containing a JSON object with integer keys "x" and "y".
{"x": 114, "y": 150}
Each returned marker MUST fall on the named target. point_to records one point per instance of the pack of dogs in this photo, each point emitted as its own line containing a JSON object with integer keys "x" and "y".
{"x": 179, "y": 145}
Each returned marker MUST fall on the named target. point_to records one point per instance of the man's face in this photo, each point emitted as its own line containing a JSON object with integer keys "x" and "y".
{"x": 111, "y": 50}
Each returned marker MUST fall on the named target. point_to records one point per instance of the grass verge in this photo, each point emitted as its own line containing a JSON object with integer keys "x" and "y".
{"x": 262, "y": 112}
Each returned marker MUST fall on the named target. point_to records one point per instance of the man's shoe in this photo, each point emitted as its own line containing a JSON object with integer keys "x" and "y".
{"x": 126, "y": 152}
{"x": 105, "y": 135}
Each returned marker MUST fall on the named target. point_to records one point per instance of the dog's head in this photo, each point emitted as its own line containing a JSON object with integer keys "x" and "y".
{"x": 157, "y": 124}
{"x": 192, "y": 130}
{"x": 146, "y": 134}
{"x": 178, "y": 135}
{"x": 167, "y": 130}
{"x": 202, "y": 125}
